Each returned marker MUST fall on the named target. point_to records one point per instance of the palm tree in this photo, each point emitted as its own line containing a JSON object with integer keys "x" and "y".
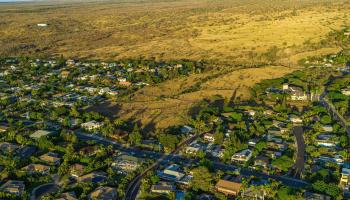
{"x": 244, "y": 186}
{"x": 199, "y": 125}
{"x": 118, "y": 122}
{"x": 271, "y": 189}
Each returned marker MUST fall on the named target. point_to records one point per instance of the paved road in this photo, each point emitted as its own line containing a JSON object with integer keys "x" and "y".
{"x": 130, "y": 150}
{"x": 300, "y": 160}
{"x": 133, "y": 188}
{"x": 164, "y": 159}
{"x": 333, "y": 112}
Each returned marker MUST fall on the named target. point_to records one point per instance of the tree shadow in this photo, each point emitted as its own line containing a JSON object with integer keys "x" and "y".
{"x": 106, "y": 108}
{"x": 216, "y": 101}
{"x": 232, "y": 100}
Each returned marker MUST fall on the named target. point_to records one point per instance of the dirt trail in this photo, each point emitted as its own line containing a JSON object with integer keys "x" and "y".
{"x": 166, "y": 104}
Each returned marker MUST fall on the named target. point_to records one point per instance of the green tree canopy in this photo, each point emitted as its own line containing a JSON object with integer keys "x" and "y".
{"x": 202, "y": 179}
{"x": 135, "y": 137}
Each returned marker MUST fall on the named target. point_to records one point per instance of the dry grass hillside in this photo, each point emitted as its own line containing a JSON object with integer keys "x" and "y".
{"x": 247, "y": 33}
{"x": 222, "y": 31}
{"x": 168, "y": 103}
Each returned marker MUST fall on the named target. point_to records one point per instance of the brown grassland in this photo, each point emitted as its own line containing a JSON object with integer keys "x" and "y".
{"x": 267, "y": 37}
{"x": 167, "y": 103}
{"x": 222, "y": 31}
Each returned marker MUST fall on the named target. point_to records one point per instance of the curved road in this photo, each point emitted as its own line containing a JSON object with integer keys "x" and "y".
{"x": 133, "y": 188}
{"x": 298, "y": 167}
{"x": 166, "y": 158}
{"x": 43, "y": 189}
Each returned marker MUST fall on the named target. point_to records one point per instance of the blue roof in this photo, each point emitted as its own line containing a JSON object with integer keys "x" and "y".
{"x": 346, "y": 165}
{"x": 180, "y": 195}
{"x": 97, "y": 179}
{"x": 27, "y": 151}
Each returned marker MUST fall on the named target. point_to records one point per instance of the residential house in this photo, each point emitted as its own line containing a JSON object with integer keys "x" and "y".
{"x": 295, "y": 119}
{"x": 314, "y": 196}
{"x": 285, "y": 86}
{"x": 268, "y": 112}
{"x": 338, "y": 159}
{"x": 103, "y": 91}
{"x": 68, "y": 196}
{"x": 112, "y": 93}
{"x": 216, "y": 151}
{"x": 315, "y": 118}
{"x": 91, "y": 125}
{"x": 70, "y": 62}
{"x": 36, "y": 169}
{"x": 77, "y": 170}
{"x": 150, "y": 143}
{"x": 126, "y": 163}
{"x": 51, "y": 158}
{"x": 3, "y": 128}
{"x": 13, "y": 187}
{"x": 41, "y": 133}
{"x": 64, "y": 74}
{"x": 26, "y": 151}
{"x": 250, "y": 112}
{"x": 251, "y": 194}
{"x": 272, "y": 153}
{"x": 209, "y": 137}
{"x": 253, "y": 142}
{"x": 94, "y": 177}
{"x": 242, "y": 156}
{"x": 277, "y": 124}
{"x": 227, "y": 114}
{"x": 194, "y": 148}
{"x": 121, "y": 79}
{"x": 273, "y": 138}
{"x": 8, "y": 148}
{"x": 186, "y": 129}
{"x": 274, "y": 131}
{"x": 91, "y": 90}
{"x": 326, "y": 140}
{"x": 327, "y": 128}
{"x": 42, "y": 25}
{"x": 284, "y": 130}
{"x": 163, "y": 188}
{"x": 346, "y": 91}
{"x": 273, "y": 90}
{"x": 262, "y": 161}
{"x": 125, "y": 83}
{"x": 71, "y": 122}
{"x": 206, "y": 197}
{"x": 88, "y": 151}
{"x": 229, "y": 187}
{"x": 230, "y": 127}
{"x": 296, "y": 93}
{"x": 278, "y": 146}
{"x": 118, "y": 134}
{"x": 171, "y": 173}
{"x": 104, "y": 193}
{"x": 179, "y": 195}
{"x": 185, "y": 180}
{"x": 345, "y": 176}
{"x": 83, "y": 78}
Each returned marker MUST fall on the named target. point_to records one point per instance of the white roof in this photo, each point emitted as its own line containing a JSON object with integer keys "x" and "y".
{"x": 40, "y": 133}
